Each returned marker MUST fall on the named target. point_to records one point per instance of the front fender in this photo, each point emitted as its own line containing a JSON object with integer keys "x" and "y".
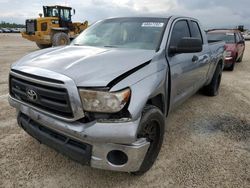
{"x": 143, "y": 90}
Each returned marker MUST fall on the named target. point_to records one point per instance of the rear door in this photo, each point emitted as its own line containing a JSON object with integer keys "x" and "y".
{"x": 203, "y": 62}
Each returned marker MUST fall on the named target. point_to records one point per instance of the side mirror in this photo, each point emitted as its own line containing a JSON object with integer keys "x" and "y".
{"x": 74, "y": 11}
{"x": 187, "y": 45}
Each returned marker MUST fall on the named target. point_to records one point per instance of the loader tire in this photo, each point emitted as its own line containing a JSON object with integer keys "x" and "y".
{"x": 60, "y": 39}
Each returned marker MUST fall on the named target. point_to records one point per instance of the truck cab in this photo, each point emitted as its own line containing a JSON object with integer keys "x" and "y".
{"x": 63, "y": 14}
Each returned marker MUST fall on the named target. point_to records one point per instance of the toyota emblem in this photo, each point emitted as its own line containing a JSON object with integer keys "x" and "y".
{"x": 31, "y": 95}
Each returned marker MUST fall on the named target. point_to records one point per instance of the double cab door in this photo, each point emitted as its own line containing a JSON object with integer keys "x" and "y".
{"x": 188, "y": 70}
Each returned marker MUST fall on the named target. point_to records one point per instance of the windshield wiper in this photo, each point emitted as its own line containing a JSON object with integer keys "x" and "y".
{"x": 110, "y": 46}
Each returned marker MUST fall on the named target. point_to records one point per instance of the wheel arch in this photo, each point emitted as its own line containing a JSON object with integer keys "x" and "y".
{"x": 157, "y": 101}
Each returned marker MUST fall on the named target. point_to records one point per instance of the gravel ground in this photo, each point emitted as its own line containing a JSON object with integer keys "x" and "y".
{"x": 207, "y": 140}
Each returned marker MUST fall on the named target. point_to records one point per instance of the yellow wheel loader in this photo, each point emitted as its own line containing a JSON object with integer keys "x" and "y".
{"x": 55, "y": 28}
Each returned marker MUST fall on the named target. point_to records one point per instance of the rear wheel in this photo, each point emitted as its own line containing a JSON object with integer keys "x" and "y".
{"x": 42, "y": 46}
{"x": 152, "y": 128}
{"x": 213, "y": 88}
{"x": 60, "y": 39}
{"x": 240, "y": 59}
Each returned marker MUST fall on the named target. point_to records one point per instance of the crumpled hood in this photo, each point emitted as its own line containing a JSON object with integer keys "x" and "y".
{"x": 87, "y": 66}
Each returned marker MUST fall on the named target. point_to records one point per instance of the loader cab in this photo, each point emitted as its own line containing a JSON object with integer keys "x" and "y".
{"x": 62, "y": 13}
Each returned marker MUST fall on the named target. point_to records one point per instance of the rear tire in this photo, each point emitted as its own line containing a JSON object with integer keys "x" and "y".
{"x": 60, "y": 39}
{"x": 43, "y": 46}
{"x": 240, "y": 59}
{"x": 213, "y": 88}
{"x": 152, "y": 126}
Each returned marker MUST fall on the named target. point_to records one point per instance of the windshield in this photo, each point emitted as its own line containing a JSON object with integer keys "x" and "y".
{"x": 51, "y": 12}
{"x": 227, "y": 37}
{"x": 135, "y": 33}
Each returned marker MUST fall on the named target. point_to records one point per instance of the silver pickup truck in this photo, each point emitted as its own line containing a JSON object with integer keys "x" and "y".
{"x": 103, "y": 99}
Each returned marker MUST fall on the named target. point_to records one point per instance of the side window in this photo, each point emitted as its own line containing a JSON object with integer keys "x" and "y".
{"x": 195, "y": 30}
{"x": 66, "y": 15}
{"x": 179, "y": 31}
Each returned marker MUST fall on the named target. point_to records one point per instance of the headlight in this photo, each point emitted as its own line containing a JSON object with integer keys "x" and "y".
{"x": 100, "y": 101}
{"x": 229, "y": 53}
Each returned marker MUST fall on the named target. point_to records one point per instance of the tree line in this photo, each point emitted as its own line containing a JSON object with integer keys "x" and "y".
{"x": 10, "y": 25}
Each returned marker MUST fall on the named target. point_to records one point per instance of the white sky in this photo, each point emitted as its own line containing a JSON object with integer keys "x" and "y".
{"x": 212, "y": 13}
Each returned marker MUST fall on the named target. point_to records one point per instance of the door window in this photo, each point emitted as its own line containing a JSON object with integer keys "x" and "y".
{"x": 180, "y": 30}
{"x": 195, "y": 30}
{"x": 65, "y": 15}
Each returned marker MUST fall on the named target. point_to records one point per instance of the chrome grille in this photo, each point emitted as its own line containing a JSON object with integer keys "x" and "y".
{"x": 50, "y": 99}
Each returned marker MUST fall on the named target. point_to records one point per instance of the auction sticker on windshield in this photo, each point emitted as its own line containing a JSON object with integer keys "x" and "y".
{"x": 230, "y": 34}
{"x": 152, "y": 24}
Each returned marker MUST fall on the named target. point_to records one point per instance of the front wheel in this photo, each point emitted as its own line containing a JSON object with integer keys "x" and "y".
{"x": 60, "y": 39}
{"x": 213, "y": 88}
{"x": 152, "y": 128}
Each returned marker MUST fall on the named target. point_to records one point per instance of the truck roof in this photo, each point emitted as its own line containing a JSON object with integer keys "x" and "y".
{"x": 223, "y": 31}
{"x": 165, "y": 16}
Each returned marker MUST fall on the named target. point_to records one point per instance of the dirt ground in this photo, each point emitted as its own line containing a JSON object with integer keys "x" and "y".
{"x": 207, "y": 140}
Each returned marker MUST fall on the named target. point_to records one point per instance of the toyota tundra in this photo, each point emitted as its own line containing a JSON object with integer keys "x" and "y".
{"x": 103, "y": 100}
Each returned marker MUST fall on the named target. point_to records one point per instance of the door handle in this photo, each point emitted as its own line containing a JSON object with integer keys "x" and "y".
{"x": 195, "y": 59}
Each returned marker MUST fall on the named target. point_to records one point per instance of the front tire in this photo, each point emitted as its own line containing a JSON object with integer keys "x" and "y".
{"x": 152, "y": 126}
{"x": 60, "y": 39}
{"x": 213, "y": 88}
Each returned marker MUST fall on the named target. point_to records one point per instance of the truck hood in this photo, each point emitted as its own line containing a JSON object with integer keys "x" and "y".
{"x": 87, "y": 66}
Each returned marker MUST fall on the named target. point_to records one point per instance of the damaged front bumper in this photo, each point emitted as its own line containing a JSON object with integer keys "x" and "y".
{"x": 110, "y": 146}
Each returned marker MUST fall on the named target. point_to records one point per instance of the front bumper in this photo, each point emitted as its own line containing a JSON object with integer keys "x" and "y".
{"x": 228, "y": 62}
{"x": 98, "y": 139}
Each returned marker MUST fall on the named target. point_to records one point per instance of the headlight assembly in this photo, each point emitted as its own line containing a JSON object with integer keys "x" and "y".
{"x": 229, "y": 53}
{"x": 104, "y": 102}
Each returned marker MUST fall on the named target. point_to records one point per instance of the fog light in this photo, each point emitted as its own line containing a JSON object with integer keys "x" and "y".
{"x": 117, "y": 157}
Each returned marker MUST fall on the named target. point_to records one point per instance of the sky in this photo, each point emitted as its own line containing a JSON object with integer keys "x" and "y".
{"x": 211, "y": 13}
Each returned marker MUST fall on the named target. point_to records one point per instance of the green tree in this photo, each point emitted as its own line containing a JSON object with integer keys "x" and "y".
{"x": 4, "y": 24}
